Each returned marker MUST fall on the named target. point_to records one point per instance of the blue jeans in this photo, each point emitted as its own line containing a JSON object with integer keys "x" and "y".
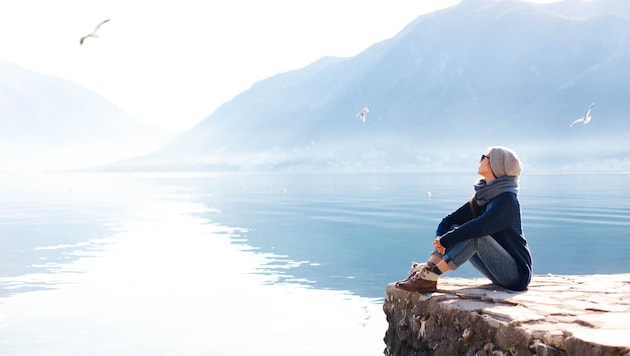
{"x": 487, "y": 256}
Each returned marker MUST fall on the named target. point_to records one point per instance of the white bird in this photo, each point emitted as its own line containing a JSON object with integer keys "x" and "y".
{"x": 361, "y": 114}
{"x": 586, "y": 118}
{"x": 93, "y": 33}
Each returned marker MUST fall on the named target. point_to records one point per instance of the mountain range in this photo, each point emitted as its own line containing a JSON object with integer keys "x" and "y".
{"x": 450, "y": 84}
{"x": 48, "y": 122}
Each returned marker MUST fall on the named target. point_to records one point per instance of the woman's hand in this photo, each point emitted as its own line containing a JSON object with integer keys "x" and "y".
{"x": 438, "y": 246}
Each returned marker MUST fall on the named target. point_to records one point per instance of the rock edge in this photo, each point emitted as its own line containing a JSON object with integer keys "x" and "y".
{"x": 556, "y": 315}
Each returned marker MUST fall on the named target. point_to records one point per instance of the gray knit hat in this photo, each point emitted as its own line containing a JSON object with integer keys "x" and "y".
{"x": 504, "y": 162}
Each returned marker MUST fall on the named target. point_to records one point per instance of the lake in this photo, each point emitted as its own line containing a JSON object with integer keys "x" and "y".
{"x": 266, "y": 264}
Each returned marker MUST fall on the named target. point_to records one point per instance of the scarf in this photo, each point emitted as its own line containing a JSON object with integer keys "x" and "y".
{"x": 485, "y": 192}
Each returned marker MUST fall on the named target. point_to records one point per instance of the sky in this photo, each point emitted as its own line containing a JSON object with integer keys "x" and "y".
{"x": 172, "y": 63}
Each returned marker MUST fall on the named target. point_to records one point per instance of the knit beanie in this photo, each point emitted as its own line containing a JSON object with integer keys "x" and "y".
{"x": 504, "y": 162}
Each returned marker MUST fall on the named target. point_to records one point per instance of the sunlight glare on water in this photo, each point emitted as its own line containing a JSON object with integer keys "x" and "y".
{"x": 278, "y": 264}
{"x": 170, "y": 281}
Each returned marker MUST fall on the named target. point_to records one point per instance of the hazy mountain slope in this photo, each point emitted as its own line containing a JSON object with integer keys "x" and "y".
{"x": 448, "y": 85}
{"x": 48, "y": 122}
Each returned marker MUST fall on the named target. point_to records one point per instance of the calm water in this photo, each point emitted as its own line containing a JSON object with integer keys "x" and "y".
{"x": 254, "y": 264}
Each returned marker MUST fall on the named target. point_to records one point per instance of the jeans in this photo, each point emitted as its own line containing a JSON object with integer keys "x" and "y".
{"x": 487, "y": 256}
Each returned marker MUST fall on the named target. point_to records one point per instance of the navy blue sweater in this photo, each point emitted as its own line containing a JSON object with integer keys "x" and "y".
{"x": 501, "y": 219}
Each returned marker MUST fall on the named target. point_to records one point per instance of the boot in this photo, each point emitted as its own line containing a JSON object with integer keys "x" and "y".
{"x": 424, "y": 280}
{"x": 416, "y": 267}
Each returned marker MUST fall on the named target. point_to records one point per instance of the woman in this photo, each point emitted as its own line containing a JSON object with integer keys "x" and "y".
{"x": 485, "y": 231}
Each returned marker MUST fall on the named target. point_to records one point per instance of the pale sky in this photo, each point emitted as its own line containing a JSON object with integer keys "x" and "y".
{"x": 172, "y": 63}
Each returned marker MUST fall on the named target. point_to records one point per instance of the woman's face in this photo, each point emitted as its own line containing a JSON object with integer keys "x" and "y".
{"x": 484, "y": 166}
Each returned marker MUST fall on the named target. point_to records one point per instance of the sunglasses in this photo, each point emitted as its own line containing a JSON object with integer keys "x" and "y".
{"x": 484, "y": 157}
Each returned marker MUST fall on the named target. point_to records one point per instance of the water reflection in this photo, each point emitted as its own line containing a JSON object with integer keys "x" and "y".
{"x": 166, "y": 278}
{"x": 231, "y": 264}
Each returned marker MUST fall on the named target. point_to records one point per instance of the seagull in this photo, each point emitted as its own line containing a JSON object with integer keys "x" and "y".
{"x": 586, "y": 118}
{"x": 361, "y": 114}
{"x": 93, "y": 33}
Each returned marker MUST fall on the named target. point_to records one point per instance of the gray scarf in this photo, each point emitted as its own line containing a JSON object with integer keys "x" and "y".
{"x": 485, "y": 192}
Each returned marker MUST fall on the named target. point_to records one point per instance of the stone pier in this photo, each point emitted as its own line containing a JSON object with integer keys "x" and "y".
{"x": 558, "y": 315}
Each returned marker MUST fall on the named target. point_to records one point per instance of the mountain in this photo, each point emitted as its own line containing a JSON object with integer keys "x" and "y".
{"x": 450, "y": 84}
{"x": 50, "y": 123}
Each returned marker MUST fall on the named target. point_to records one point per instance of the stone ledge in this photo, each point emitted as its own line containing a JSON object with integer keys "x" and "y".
{"x": 557, "y": 315}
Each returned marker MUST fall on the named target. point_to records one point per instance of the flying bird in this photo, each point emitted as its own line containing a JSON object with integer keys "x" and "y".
{"x": 93, "y": 33}
{"x": 361, "y": 114}
{"x": 586, "y": 118}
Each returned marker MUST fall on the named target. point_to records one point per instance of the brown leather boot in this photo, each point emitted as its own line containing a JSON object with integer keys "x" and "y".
{"x": 421, "y": 281}
{"x": 416, "y": 267}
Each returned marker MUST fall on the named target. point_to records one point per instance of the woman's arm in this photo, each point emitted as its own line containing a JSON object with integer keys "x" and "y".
{"x": 459, "y": 217}
{"x": 498, "y": 216}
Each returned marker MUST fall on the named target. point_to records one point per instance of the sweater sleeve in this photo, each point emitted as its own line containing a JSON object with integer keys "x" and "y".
{"x": 459, "y": 217}
{"x": 496, "y": 217}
